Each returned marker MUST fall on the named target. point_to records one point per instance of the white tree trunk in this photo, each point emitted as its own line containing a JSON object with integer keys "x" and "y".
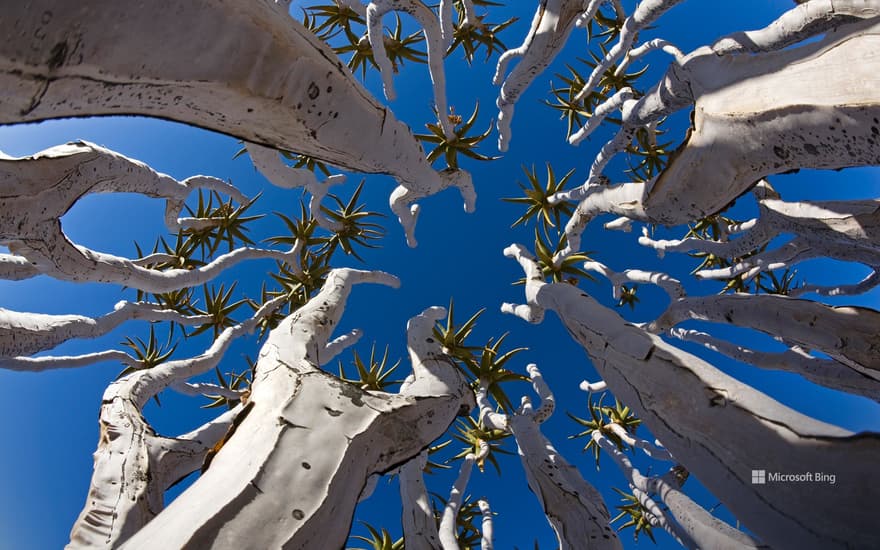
{"x": 848, "y": 334}
{"x": 241, "y": 68}
{"x": 721, "y": 429}
{"x": 764, "y": 114}
{"x": 573, "y": 507}
{"x": 301, "y": 457}
{"x": 759, "y": 109}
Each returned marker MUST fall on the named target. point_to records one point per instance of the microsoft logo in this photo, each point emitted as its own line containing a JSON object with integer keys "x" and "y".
{"x": 759, "y": 477}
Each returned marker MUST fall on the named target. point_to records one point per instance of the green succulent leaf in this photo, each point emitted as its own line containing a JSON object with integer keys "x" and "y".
{"x": 460, "y": 143}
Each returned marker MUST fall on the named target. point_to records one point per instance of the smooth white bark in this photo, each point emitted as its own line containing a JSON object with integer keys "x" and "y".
{"x": 826, "y": 372}
{"x": 550, "y": 29}
{"x": 310, "y": 442}
{"x": 573, "y": 507}
{"x": 266, "y": 79}
{"x": 721, "y": 429}
{"x": 435, "y": 49}
{"x": 754, "y": 115}
{"x": 419, "y": 526}
{"x": 848, "y": 334}
{"x": 28, "y": 333}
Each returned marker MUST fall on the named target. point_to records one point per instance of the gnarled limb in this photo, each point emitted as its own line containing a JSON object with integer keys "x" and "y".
{"x": 846, "y": 333}
{"x": 573, "y": 507}
{"x": 434, "y": 43}
{"x": 403, "y": 199}
{"x": 268, "y": 80}
{"x": 721, "y": 429}
{"x": 671, "y": 286}
{"x": 42, "y": 188}
{"x": 268, "y": 162}
{"x": 551, "y": 26}
{"x": 311, "y": 432}
{"x": 645, "y": 13}
{"x": 419, "y": 526}
{"x": 29, "y": 333}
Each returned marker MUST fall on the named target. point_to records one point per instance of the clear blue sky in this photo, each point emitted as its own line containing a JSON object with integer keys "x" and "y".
{"x": 49, "y": 420}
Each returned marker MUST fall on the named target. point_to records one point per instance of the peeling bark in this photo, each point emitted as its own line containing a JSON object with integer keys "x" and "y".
{"x": 133, "y": 464}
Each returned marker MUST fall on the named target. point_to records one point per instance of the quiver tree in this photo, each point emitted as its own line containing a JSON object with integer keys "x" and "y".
{"x": 717, "y": 427}
{"x": 269, "y": 81}
{"x": 750, "y": 118}
{"x": 298, "y": 447}
{"x": 307, "y": 412}
{"x": 573, "y": 507}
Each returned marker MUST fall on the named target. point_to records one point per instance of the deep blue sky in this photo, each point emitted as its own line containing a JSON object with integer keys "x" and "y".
{"x": 49, "y": 419}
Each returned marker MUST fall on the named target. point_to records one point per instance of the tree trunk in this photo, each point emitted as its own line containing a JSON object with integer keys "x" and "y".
{"x": 240, "y": 68}
{"x": 722, "y": 430}
{"x": 291, "y": 474}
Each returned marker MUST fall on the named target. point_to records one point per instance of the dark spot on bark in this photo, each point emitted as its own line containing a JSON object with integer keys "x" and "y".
{"x": 314, "y": 134}
{"x": 298, "y": 514}
{"x": 811, "y": 149}
{"x": 329, "y": 89}
{"x": 874, "y": 130}
{"x": 306, "y": 465}
{"x": 429, "y": 340}
{"x": 58, "y": 55}
{"x": 332, "y": 412}
{"x": 46, "y": 17}
{"x": 250, "y": 110}
{"x": 299, "y": 105}
{"x": 780, "y": 152}
{"x": 313, "y": 91}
